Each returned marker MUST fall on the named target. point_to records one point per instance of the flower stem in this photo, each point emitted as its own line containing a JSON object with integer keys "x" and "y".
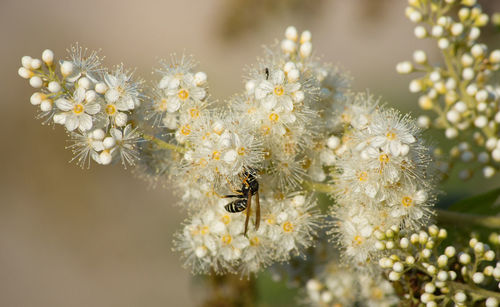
{"x": 474, "y": 290}
{"x": 162, "y": 144}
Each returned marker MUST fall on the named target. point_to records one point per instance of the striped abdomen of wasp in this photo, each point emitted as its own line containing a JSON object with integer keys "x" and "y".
{"x": 249, "y": 188}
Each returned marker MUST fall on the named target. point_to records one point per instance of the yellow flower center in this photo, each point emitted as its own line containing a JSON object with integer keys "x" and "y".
{"x": 110, "y": 109}
{"x": 273, "y": 117}
{"x": 278, "y": 90}
{"x": 183, "y": 94}
{"x": 77, "y": 109}
{"x": 202, "y": 162}
{"x": 265, "y": 129}
{"x": 226, "y": 219}
{"x": 383, "y": 158}
{"x": 362, "y": 176}
{"x": 216, "y": 155}
{"x": 241, "y": 151}
{"x": 358, "y": 240}
{"x": 194, "y": 112}
{"x": 288, "y": 227}
{"x": 254, "y": 241}
{"x": 407, "y": 201}
{"x": 251, "y": 110}
{"x": 204, "y": 230}
{"x": 162, "y": 106}
{"x": 391, "y": 135}
{"x": 226, "y": 239}
{"x": 186, "y": 130}
{"x": 270, "y": 220}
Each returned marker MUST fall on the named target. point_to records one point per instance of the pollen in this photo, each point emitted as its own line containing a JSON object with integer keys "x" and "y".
{"x": 362, "y": 176}
{"x": 216, "y": 155}
{"x": 278, "y": 90}
{"x": 273, "y": 117}
{"x": 194, "y": 113}
{"x": 407, "y": 201}
{"x": 288, "y": 227}
{"x": 383, "y": 158}
{"x": 358, "y": 240}
{"x": 241, "y": 151}
{"x": 183, "y": 94}
{"x": 110, "y": 109}
{"x": 186, "y": 130}
{"x": 226, "y": 239}
{"x": 391, "y": 136}
{"x": 77, "y": 109}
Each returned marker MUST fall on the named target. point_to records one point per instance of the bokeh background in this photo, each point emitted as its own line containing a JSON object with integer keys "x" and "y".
{"x": 102, "y": 237}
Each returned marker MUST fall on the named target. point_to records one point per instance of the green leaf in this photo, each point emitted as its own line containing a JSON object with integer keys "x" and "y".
{"x": 479, "y": 204}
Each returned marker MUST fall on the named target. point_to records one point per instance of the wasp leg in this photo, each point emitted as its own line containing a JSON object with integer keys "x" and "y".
{"x": 257, "y": 211}
{"x": 249, "y": 208}
{"x": 231, "y": 187}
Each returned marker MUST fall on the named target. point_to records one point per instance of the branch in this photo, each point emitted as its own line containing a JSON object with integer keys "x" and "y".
{"x": 474, "y": 290}
{"x": 162, "y": 144}
{"x": 456, "y": 218}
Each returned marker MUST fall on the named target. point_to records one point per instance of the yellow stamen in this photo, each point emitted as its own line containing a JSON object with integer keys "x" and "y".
{"x": 186, "y": 130}
{"x": 216, "y": 155}
{"x": 194, "y": 112}
{"x": 162, "y": 106}
{"x": 226, "y": 239}
{"x": 358, "y": 240}
{"x": 273, "y": 117}
{"x": 288, "y": 227}
{"x": 77, "y": 109}
{"x": 362, "y": 176}
{"x": 110, "y": 109}
{"x": 183, "y": 94}
{"x": 241, "y": 151}
{"x": 278, "y": 90}
{"x": 391, "y": 135}
{"x": 226, "y": 219}
{"x": 254, "y": 241}
{"x": 407, "y": 201}
{"x": 265, "y": 129}
{"x": 383, "y": 158}
{"x": 204, "y": 230}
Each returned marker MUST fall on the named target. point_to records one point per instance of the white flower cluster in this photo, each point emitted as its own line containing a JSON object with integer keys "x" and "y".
{"x": 381, "y": 178}
{"x": 418, "y": 251}
{"x": 461, "y": 93}
{"x": 340, "y": 286}
{"x": 213, "y": 239}
{"x": 93, "y": 104}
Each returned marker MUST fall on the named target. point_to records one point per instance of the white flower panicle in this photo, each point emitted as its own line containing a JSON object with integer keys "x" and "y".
{"x": 92, "y": 104}
{"x": 295, "y": 125}
{"x": 339, "y": 286}
{"x": 213, "y": 239}
{"x": 382, "y": 177}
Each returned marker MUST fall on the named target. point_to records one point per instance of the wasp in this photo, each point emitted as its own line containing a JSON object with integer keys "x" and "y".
{"x": 249, "y": 188}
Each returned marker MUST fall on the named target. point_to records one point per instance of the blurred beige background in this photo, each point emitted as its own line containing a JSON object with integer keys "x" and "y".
{"x": 100, "y": 237}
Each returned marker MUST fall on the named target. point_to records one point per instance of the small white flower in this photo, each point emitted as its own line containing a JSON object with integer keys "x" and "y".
{"x": 77, "y": 112}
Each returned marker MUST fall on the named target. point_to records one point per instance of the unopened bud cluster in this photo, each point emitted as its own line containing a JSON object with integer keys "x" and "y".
{"x": 461, "y": 92}
{"x": 451, "y": 275}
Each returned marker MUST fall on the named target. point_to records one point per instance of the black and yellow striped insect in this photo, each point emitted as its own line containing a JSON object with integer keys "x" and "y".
{"x": 249, "y": 188}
